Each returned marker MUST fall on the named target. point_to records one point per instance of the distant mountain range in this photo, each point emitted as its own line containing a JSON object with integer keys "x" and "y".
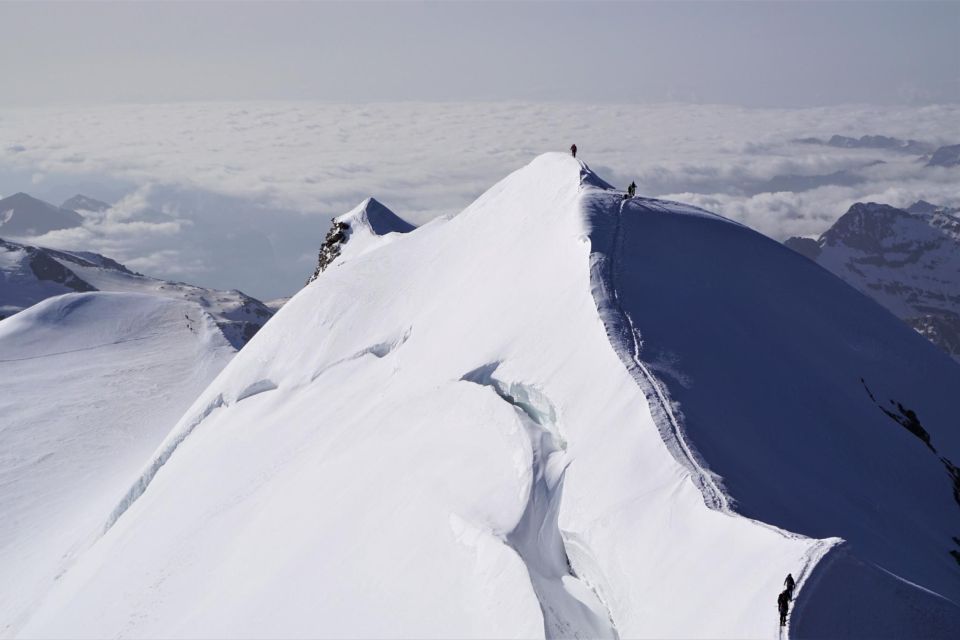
{"x": 24, "y": 215}
{"x": 906, "y": 259}
{"x": 945, "y": 156}
{"x": 29, "y": 274}
{"x": 873, "y": 142}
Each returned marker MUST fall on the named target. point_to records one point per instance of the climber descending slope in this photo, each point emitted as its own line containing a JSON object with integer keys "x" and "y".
{"x": 649, "y": 389}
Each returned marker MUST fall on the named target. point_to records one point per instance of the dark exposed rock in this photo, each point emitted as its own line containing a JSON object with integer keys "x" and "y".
{"x": 332, "y": 245}
{"x": 46, "y": 268}
{"x": 908, "y": 419}
{"x": 954, "y": 473}
{"x": 804, "y": 246}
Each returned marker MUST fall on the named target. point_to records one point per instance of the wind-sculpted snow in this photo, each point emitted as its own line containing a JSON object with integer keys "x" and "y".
{"x": 166, "y": 450}
{"x": 494, "y": 426}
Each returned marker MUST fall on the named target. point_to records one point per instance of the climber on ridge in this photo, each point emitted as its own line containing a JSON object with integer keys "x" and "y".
{"x": 573, "y": 150}
{"x": 790, "y": 584}
{"x": 783, "y": 604}
{"x": 632, "y": 190}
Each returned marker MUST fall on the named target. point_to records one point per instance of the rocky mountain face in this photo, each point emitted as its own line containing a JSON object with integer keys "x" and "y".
{"x": 906, "y": 259}
{"x": 331, "y": 247}
{"x": 370, "y": 222}
{"x": 29, "y": 274}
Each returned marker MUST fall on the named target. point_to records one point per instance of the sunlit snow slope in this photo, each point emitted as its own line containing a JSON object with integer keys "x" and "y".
{"x": 550, "y": 415}
{"x": 91, "y": 383}
{"x": 30, "y": 274}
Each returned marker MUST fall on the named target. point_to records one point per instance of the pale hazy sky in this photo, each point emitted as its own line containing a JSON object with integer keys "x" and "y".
{"x": 753, "y": 54}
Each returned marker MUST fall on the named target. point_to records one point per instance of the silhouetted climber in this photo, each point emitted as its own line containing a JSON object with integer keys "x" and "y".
{"x": 783, "y": 604}
{"x": 632, "y": 190}
{"x": 790, "y": 584}
{"x": 573, "y": 150}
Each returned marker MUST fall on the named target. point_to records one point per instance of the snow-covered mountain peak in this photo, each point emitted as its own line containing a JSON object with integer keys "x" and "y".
{"x": 366, "y": 226}
{"x": 906, "y": 259}
{"x": 561, "y": 413}
{"x": 865, "y": 226}
{"x": 373, "y": 215}
{"x": 81, "y": 202}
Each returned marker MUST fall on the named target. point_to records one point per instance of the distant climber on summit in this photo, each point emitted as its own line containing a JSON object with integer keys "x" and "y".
{"x": 783, "y": 604}
{"x": 573, "y": 150}
{"x": 632, "y": 190}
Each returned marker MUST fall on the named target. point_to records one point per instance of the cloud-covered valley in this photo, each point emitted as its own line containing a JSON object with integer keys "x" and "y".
{"x": 239, "y": 195}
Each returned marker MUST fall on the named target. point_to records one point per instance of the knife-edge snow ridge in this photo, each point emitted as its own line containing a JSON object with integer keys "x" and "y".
{"x": 716, "y": 436}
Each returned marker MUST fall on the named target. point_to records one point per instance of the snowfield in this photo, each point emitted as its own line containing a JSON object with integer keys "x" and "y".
{"x": 556, "y": 414}
{"x": 91, "y": 384}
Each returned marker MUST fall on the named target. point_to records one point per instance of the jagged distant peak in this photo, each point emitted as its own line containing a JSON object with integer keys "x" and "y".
{"x": 81, "y": 202}
{"x": 946, "y": 156}
{"x": 27, "y": 203}
{"x": 922, "y": 206}
{"x": 23, "y": 215}
{"x": 377, "y": 217}
{"x": 371, "y": 219}
{"x": 907, "y": 259}
{"x": 888, "y": 143}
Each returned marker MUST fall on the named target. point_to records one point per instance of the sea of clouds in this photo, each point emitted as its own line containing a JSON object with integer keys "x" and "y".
{"x": 239, "y": 195}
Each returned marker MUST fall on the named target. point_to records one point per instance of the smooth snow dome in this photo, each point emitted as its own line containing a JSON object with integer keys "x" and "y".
{"x": 91, "y": 385}
{"x": 558, "y": 413}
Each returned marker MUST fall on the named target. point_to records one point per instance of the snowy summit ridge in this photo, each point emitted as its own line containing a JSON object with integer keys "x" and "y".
{"x": 365, "y": 225}
{"x": 559, "y": 413}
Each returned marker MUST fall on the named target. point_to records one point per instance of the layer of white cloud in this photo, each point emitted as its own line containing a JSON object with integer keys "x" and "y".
{"x": 268, "y": 176}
